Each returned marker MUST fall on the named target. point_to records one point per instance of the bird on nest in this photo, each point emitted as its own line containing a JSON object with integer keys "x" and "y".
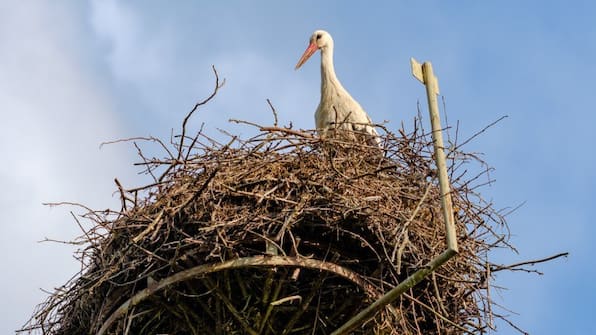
{"x": 337, "y": 109}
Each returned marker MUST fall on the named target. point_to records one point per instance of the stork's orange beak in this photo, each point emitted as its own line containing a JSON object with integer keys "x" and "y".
{"x": 312, "y": 48}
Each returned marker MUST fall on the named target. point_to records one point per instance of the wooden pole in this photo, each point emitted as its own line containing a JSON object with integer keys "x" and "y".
{"x": 432, "y": 90}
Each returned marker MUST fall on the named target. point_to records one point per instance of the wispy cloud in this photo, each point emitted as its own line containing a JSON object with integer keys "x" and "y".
{"x": 133, "y": 53}
{"x": 54, "y": 117}
{"x": 171, "y": 71}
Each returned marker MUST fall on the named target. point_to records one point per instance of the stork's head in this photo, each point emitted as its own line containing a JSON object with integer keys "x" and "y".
{"x": 320, "y": 39}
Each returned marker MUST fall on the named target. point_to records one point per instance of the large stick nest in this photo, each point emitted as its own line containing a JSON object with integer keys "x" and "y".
{"x": 282, "y": 233}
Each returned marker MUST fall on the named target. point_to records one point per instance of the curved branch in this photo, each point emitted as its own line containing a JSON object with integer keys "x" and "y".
{"x": 247, "y": 262}
{"x": 218, "y": 85}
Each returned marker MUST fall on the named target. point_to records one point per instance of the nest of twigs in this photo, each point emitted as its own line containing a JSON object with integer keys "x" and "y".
{"x": 282, "y": 233}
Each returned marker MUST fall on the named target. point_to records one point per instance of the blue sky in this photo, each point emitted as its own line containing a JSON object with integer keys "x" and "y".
{"x": 75, "y": 74}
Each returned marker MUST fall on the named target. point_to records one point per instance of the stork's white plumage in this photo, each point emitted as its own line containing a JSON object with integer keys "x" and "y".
{"x": 337, "y": 108}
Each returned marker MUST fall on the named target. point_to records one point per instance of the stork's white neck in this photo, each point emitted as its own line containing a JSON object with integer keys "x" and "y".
{"x": 329, "y": 80}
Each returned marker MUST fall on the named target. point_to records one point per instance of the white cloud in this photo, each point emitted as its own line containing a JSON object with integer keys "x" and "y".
{"x": 141, "y": 58}
{"x": 133, "y": 54}
{"x": 54, "y": 117}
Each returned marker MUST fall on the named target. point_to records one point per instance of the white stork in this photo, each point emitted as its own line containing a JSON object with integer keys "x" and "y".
{"x": 337, "y": 108}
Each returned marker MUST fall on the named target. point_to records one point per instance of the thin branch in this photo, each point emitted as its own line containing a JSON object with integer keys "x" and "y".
{"x": 516, "y": 266}
{"x": 197, "y": 105}
{"x": 273, "y": 111}
{"x": 480, "y": 132}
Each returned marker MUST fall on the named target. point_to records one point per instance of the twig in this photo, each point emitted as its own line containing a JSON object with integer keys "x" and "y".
{"x": 142, "y": 138}
{"x": 515, "y": 267}
{"x": 287, "y": 131}
{"x": 274, "y": 112}
{"x": 441, "y": 316}
{"x": 123, "y": 196}
{"x": 222, "y": 297}
{"x": 197, "y": 105}
{"x": 480, "y": 132}
{"x": 303, "y": 306}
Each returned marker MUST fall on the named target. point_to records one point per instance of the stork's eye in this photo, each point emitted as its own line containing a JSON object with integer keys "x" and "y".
{"x": 319, "y": 36}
